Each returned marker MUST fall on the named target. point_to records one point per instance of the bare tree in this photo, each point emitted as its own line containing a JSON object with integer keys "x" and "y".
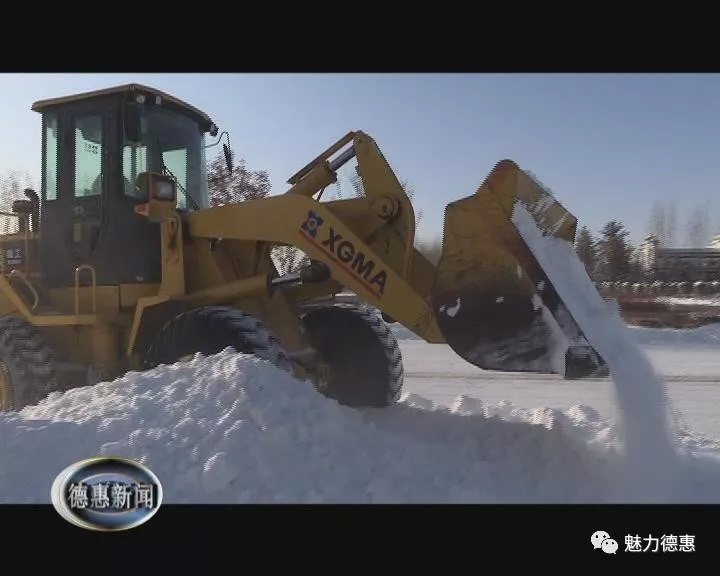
{"x": 242, "y": 184}
{"x": 12, "y": 186}
{"x": 671, "y": 231}
{"x": 698, "y": 227}
{"x": 657, "y": 226}
{"x": 663, "y": 223}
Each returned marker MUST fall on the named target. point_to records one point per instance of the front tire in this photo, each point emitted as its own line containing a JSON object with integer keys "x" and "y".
{"x": 27, "y": 365}
{"x": 209, "y": 330}
{"x": 362, "y": 356}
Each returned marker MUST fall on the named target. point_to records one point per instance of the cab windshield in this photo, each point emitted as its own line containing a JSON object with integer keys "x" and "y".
{"x": 173, "y": 144}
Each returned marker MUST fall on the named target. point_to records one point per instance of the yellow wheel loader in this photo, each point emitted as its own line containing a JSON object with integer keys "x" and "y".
{"x": 120, "y": 263}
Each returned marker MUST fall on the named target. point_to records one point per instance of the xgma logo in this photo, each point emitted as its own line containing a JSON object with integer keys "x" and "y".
{"x": 344, "y": 253}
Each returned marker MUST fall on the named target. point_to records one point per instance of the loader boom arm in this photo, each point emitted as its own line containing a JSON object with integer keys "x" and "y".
{"x": 367, "y": 243}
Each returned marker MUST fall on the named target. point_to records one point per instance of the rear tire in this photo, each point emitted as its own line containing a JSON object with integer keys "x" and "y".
{"x": 209, "y": 330}
{"x": 364, "y": 361}
{"x": 27, "y": 365}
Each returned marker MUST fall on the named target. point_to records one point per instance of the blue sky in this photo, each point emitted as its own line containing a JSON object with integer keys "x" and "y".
{"x": 608, "y": 144}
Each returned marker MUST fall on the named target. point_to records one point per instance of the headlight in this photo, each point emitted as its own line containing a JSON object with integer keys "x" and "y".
{"x": 164, "y": 190}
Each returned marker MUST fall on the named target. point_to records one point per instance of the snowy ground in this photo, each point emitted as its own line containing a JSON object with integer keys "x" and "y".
{"x": 233, "y": 429}
{"x": 688, "y": 360}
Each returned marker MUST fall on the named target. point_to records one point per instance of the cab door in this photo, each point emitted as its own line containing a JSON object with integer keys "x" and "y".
{"x": 75, "y": 152}
{"x": 87, "y": 215}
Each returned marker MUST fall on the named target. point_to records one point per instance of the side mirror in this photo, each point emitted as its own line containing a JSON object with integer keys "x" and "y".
{"x": 228, "y": 158}
{"x": 131, "y": 122}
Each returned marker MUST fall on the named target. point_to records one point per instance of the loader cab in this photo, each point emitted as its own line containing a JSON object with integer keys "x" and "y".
{"x": 94, "y": 145}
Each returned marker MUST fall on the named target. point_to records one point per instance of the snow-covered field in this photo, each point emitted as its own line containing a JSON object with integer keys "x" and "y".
{"x": 691, "y": 374}
{"x": 232, "y": 429}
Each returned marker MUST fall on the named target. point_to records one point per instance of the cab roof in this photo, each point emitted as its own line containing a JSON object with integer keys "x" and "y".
{"x": 203, "y": 119}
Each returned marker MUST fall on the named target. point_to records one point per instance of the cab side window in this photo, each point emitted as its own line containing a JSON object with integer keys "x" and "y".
{"x": 176, "y": 163}
{"x": 50, "y": 173}
{"x": 88, "y": 155}
{"x": 134, "y": 163}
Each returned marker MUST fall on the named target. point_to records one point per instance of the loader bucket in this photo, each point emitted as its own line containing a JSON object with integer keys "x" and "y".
{"x": 494, "y": 304}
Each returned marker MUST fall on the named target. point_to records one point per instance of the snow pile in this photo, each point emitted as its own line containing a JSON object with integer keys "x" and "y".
{"x": 233, "y": 429}
{"x": 641, "y": 395}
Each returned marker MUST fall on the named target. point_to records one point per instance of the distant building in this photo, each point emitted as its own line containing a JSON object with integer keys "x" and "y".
{"x": 680, "y": 264}
{"x": 647, "y": 253}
